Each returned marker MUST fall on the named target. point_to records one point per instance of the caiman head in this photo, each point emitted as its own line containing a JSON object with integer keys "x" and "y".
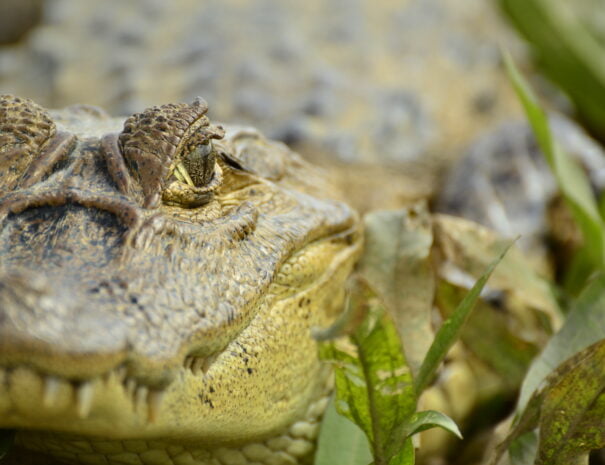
{"x": 162, "y": 281}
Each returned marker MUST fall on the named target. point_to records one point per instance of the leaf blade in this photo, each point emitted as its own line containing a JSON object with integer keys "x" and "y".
{"x": 585, "y": 324}
{"x": 374, "y": 385}
{"x": 572, "y": 181}
{"x": 572, "y": 420}
{"x": 341, "y": 441}
{"x": 567, "y": 50}
{"x": 421, "y": 421}
{"x": 452, "y": 327}
{"x": 396, "y": 263}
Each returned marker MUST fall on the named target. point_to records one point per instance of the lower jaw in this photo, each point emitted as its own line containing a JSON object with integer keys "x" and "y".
{"x": 294, "y": 445}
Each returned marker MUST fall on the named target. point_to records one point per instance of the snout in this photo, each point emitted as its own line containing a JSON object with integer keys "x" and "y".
{"x": 47, "y": 325}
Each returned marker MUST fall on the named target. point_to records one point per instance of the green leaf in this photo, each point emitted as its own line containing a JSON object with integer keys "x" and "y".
{"x": 396, "y": 263}
{"x": 602, "y": 204}
{"x": 374, "y": 385}
{"x": 572, "y": 420}
{"x": 567, "y": 51}
{"x": 507, "y": 351}
{"x": 341, "y": 441}
{"x": 570, "y": 177}
{"x": 421, "y": 421}
{"x": 406, "y": 456}
{"x": 450, "y": 330}
{"x": 569, "y": 409}
{"x": 585, "y": 325}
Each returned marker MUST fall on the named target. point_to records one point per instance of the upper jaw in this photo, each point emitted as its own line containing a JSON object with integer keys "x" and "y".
{"x": 78, "y": 321}
{"x": 116, "y": 396}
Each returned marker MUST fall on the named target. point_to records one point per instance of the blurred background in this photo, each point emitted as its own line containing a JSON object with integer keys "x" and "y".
{"x": 404, "y": 84}
{"x": 342, "y": 81}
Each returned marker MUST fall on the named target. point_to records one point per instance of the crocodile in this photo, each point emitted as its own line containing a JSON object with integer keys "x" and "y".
{"x": 370, "y": 98}
{"x": 160, "y": 277}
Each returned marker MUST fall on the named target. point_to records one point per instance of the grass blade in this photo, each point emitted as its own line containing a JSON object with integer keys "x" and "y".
{"x": 572, "y": 181}
{"x": 451, "y": 328}
{"x": 568, "y": 51}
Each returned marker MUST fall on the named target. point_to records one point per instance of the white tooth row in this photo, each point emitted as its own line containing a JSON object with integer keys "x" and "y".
{"x": 85, "y": 390}
{"x": 198, "y": 365}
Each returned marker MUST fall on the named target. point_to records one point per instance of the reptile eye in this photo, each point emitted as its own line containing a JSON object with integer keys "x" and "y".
{"x": 193, "y": 177}
{"x": 200, "y": 163}
{"x": 169, "y": 152}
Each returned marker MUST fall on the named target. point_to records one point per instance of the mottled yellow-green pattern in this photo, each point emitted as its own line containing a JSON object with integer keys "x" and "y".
{"x": 183, "y": 327}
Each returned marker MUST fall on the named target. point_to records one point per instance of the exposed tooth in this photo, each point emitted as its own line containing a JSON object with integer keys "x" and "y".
{"x": 189, "y": 362}
{"x": 154, "y": 402}
{"x": 141, "y": 395}
{"x": 84, "y": 396}
{"x": 180, "y": 168}
{"x": 208, "y": 361}
{"x": 198, "y": 364}
{"x": 51, "y": 390}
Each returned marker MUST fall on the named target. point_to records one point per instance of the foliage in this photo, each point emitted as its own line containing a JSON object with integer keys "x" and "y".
{"x": 561, "y": 409}
{"x": 341, "y": 441}
{"x": 451, "y": 328}
{"x": 373, "y": 382}
{"x": 375, "y": 387}
{"x": 396, "y": 264}
{"x": 568, "y": 410}
{"x": 572, "y": 181}
{"x": 570, "y": 48}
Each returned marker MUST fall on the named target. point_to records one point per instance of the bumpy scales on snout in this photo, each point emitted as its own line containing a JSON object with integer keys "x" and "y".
{"x": 159, "y": 278}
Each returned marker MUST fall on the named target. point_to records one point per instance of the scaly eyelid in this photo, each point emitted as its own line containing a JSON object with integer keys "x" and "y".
{"x": 153, "y": 144}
